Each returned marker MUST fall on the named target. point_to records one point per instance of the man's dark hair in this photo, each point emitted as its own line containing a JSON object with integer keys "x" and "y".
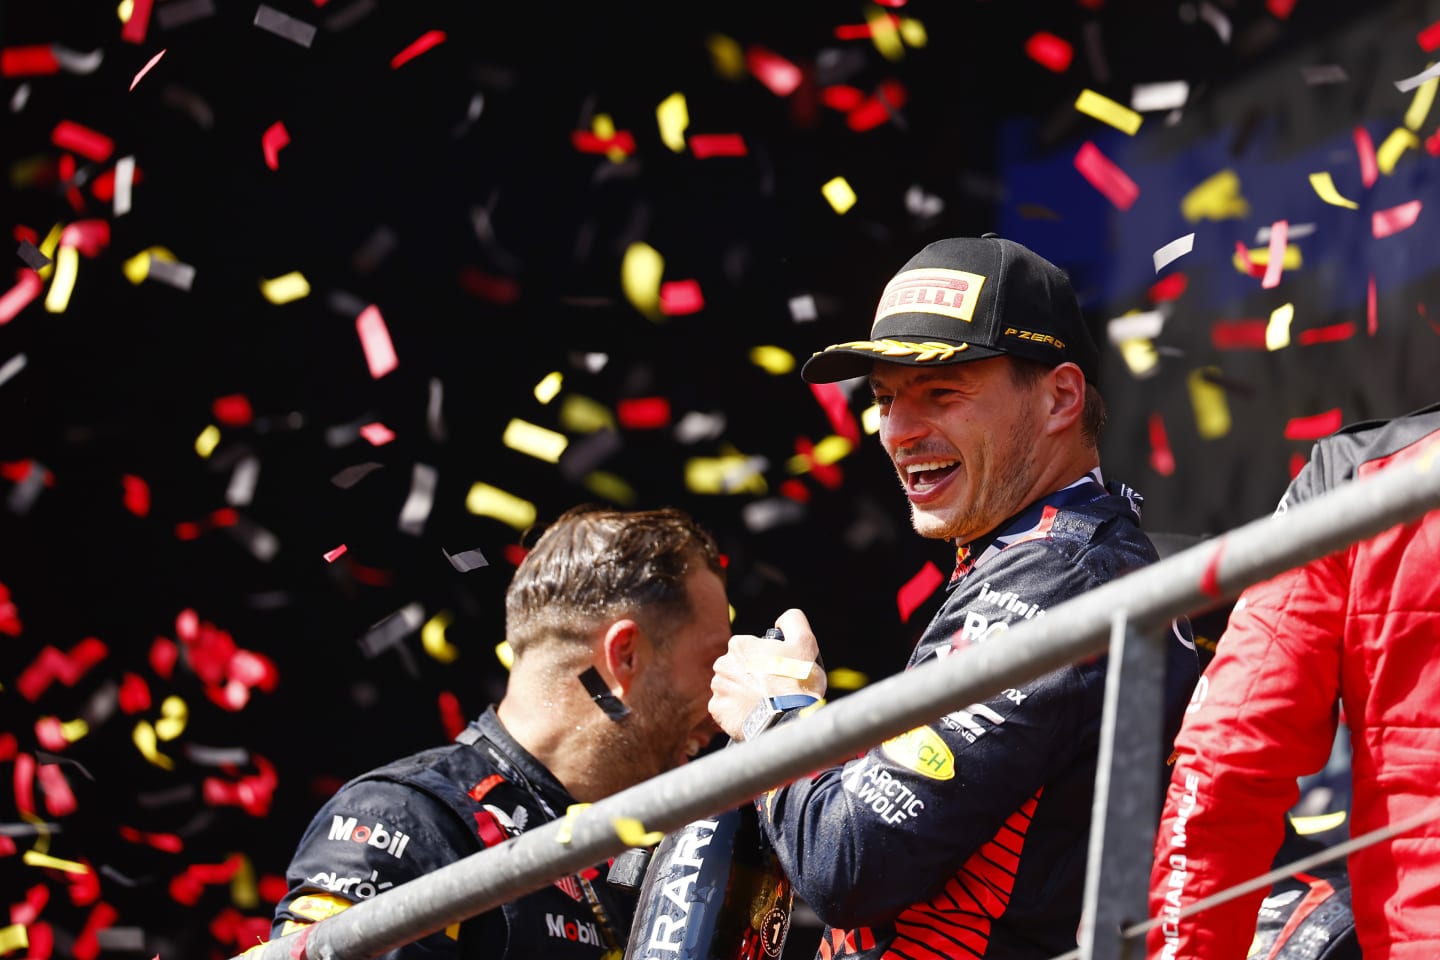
{"x": 595, "y": 563}
{"x": 1026, "y": 373}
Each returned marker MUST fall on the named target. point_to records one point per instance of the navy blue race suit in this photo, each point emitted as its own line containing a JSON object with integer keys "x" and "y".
{"x": 420, "y": 813}
{"x": 967, "y": 837}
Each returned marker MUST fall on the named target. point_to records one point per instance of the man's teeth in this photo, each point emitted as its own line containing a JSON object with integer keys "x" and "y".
{"x": 915, "y": 468}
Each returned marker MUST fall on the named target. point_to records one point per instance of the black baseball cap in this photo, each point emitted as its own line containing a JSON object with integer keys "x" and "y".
{"x": 967, "y": 298}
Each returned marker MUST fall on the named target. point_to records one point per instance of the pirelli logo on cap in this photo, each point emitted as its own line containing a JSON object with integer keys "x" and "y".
{"x": 949, "y": 293}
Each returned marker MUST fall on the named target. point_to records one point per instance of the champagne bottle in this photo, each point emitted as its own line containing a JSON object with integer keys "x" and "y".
{"x": 713, "y": 890}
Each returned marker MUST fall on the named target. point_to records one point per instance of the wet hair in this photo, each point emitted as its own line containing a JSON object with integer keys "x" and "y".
{"x": 595, "y": 564}
{"x": 1026, "y": 373}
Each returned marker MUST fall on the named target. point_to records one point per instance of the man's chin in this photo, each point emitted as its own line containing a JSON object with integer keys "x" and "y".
{"x": 932, "y": 526}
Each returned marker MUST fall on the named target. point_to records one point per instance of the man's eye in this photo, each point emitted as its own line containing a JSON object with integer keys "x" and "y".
{"x": 881, "y": 401}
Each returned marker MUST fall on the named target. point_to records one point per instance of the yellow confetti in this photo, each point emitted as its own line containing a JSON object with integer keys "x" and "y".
{"x": 673, "y": 116}
{"x": 67, "y": 266}
{"x": 144, "y": 737}
{"x": 870, "y": 420}
{"x": 1318, "y": 823}
{"x": 632, "y": 832}
{"x": 14, "y": 937}
{"x": 726, "y": 56}
{"x": 568, "y": 824}
{"x": 74, "y": 730}
{"x": 1212, "y": 410}
{"x": 534, "y": 440}
{"x": 732, "y": 473}
{"x": 126, "y": 8}
{"x": 913, "y": 32}
{"x": 505, "y": 654}
{"x": 243, "y": 891}
{"x": 1260, "y": 256}
{"x": 1388, "y": 154}
{"x": 33, "y": 859}
{"x": 1277, "y": 331}
{"x": 432, "y": 638}
{"x": 137, "y": 268}
{"x": 205, "y": 443}
{"x": 1420, "y": 106}
{"x": 612, "y": 488}
{"x": 549, "y": 387}
{"x": 604, "y": 128}
{"x": 580, "y": 414}
{"x": 48, "y": 246}
{"x": 840, "y": 194}
{"x": 783, "y": 667}
{"x": 1140, "y": 356}
{"x": 286, "y": 288}
{"x": 884, "y": 33}
{"x": 776, "y": 360}
{"x": 173, "y": 716}
{"x": 1324, "y": 186}
{"x": 1217, "y": 197}
{"x": 1105, "y": 110}
{"x": 832, "y": 449}
{"x": 806, "y": 711}
{"x": 844, "y": 678}
{"x": 640, "y": 274}
{"x": 487, "y": 501}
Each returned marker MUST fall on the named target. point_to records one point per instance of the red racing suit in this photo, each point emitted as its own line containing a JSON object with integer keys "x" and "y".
{"x": 1358, "y": 630}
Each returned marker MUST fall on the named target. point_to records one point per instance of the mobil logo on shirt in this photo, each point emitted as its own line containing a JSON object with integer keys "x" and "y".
{"x": 375, "y": 835}
{"x": 562, "y": 927}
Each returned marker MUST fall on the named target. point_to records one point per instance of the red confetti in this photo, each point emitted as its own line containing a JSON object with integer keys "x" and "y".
{"x": 136, "y": 27}
{"x": 643, "y": 413}
{"x": 1372, "y": 320}
{"x": 189, "y": 886}
{"x": 134, "y": 693}
{"x": 680, "y": 297}
{"x": 1392, "y": 220}
{"x": 1429, "y": 38}
{"x": 587, "y": 142}
{"x": 793, "y": 489}
{"x": 451, "y": 719}
{"x": 707, "y": 145}
{"x": 1329, "y": 334}
{"x": 842, "y": 97}
{"x": 275, "y": 139}
{"x": 104, "y": 185}
{"x": 233, "y": 410}
{"x": 147, "y": 68}
{"x": 501, "y": 290}
{"x": 370, "y": 576}
{"x": 137, "y": 495}
{"x": 1170, "y": 288}
{"x": 168, "y": 842}
{"x": 1432, "y": 144}
{"x": 1279, "y": 235}
{"x": 28, "y": 912}
{"x": 879, "y": 109}
{"x": 918, "y": 589}
{"x": 27, "y": 287}
{"x": 1313, "y": 427}
{"x": 90, "y": 144}
{"x": 50, "y": 734}
{"x": 87, "y": 945}
{"x": 377, "y": 433}
{"x": 9, "y": 621}
{"x": 1251, "y": 267}
{"x": 59, "y": 798}
{"x": 779, "y": 75}
{"x": 375, "y": 339}
{"x": 1297, "y": 463}
{"x": 332, "y": 555}
{"x": 24, "y": 781}
{"x": 163, "y": 654}
{"x": 827, "y": 474}
{"x": 514, "y": 553}
{"x": 862, "y": 31}
{"x": 1238, "y": 334}
{"x": 252, "y": 793}
{"x": 426, "y": 41}
{"x": 1280, "y": 9}
{"x": 1365, "y": 149}
{"x": 1105, "y": 176}
{"x": 1050, "y": 51}
{"x": 32, "y": 61}
{"x": 272, "y": 887}
{"x": 836, "y": 404}
{"x": 1162, "y": 458}
{"x": 51, "y": 665}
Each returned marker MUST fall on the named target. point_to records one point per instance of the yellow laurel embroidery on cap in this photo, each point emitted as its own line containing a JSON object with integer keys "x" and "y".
{"x": 928, "y": 350}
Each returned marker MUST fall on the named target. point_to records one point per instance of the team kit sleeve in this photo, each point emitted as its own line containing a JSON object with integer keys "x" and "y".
{"x": 368, "y": 838}
{"x": 1263, "y": 714}
{"x": 862, "y": 841}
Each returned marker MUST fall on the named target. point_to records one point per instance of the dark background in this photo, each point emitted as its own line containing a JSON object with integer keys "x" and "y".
{"x": 375, "y": 201}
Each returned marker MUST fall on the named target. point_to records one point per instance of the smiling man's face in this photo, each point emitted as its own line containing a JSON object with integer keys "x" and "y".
{"x": 963, "y": 439}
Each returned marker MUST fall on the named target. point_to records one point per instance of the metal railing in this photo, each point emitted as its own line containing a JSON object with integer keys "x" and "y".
{"x": 1138, "y": 605}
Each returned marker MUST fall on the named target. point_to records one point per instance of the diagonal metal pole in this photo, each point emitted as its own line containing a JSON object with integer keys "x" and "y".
{"x": 1193, "y": 580}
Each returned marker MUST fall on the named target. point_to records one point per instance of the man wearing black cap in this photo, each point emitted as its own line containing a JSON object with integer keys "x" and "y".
{"x": 966, "y": 837}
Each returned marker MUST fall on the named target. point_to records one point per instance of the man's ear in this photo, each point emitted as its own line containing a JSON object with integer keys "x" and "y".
{"x": 623, "y": 650}
{"x": 1066, "y": 396}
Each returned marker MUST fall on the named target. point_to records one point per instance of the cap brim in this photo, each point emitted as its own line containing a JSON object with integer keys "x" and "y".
{"x": 849, "y": 360}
